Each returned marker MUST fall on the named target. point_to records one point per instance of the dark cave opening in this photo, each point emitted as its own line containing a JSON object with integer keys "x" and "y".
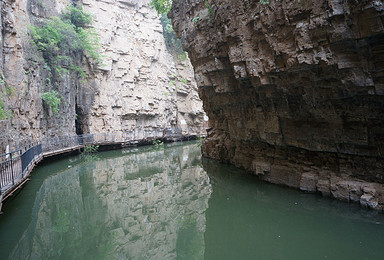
{"x": 79, "y": 120}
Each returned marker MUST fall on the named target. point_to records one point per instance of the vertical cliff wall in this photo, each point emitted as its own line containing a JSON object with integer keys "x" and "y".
{"x": 293, "y": 90}
{"x": 137, "y": 92}
{"x": 140, "y": 90}
{"x": 25, "y": 77}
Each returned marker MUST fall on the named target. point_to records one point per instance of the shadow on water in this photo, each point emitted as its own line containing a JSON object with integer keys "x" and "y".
{"x": 145, "y": 203}
{"x": 250, "y": 219}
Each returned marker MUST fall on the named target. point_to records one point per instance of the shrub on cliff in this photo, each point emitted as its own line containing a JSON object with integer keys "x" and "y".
{"x": 61, "y": 39}
{"x": 76, "y": 16}
{"x": 52, "y": 100}
{"x": 173, "y": 44}
{"x": 57, "y": 40}
{"x": 5, "y": 92}
{"x": 161, "y": 6}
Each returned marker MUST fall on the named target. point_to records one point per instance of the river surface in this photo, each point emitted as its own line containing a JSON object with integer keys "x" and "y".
{"x": 168, "y": 203}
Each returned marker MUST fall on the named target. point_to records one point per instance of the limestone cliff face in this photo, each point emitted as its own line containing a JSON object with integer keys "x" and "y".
{"x": 293, "y": 90}
{"x": 25, "y": 76}
{"x": 138, "y": 92}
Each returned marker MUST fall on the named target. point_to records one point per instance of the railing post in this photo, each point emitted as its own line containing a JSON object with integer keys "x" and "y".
{"x": 1, "y": 182}
{"x": 13, "y": 178}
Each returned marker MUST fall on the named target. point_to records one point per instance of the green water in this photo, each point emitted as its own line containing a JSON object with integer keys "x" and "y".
{"x": 143, "y": 203}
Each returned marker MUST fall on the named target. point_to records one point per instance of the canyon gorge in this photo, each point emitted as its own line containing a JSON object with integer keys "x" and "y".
{"x": 293, "y": 89}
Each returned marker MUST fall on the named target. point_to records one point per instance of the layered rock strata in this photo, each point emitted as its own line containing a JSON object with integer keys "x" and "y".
{"x": 25, "y": 77}
{"x": 141, "y": 90}
{"x": 137, "y": 93}
{"x": 293, "y": 90}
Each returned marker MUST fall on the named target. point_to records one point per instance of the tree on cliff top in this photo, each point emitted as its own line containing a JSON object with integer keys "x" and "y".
{"x": 173, "y": 44}
{"x": 161, "y": 6}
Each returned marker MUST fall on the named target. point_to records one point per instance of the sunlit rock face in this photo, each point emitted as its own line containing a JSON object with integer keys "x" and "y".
{"x": 293, "y": 90}
{"x": 137, "y": 92}
{"x": 142, "y": 205}
{"x": 140, "y": 86}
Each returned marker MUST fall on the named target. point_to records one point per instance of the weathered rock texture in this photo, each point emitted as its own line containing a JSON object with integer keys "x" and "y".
{"x": 26, "y": 77}
{"x": 139, "y": 92}
{"x": 293, "y": 90}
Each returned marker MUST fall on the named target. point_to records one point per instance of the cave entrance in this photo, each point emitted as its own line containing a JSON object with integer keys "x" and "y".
{"x": 79, "y": 120}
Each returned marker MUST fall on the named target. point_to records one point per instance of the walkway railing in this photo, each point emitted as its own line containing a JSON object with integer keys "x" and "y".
{"x": 16, "y": 166}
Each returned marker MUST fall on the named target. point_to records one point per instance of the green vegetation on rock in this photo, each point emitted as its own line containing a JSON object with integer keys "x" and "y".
{"x": 5, "y": 92}
{"x": 90, "y": 149}
{"x": 173, "y": 44}
{"x": 62, "y": 41}
{"x": 52, "y": 100}
{"x": 158, "y": 144}
{"x": 161, "y": 6}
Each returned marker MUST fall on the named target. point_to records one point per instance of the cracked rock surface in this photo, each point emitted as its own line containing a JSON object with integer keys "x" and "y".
{"x": 138, "y": 92}
{"x": 294, "y": 90}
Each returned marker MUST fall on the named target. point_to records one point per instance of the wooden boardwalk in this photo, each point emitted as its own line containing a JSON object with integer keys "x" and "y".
{"x": 20, "y": 173}
{"x": 20, "y": 179}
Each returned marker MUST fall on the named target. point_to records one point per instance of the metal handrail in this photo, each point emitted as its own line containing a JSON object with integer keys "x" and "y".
{"x": 16, "y": 165}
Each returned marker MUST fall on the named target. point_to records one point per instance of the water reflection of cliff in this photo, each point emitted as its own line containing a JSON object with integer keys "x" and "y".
{"x": 142, "y": 205}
